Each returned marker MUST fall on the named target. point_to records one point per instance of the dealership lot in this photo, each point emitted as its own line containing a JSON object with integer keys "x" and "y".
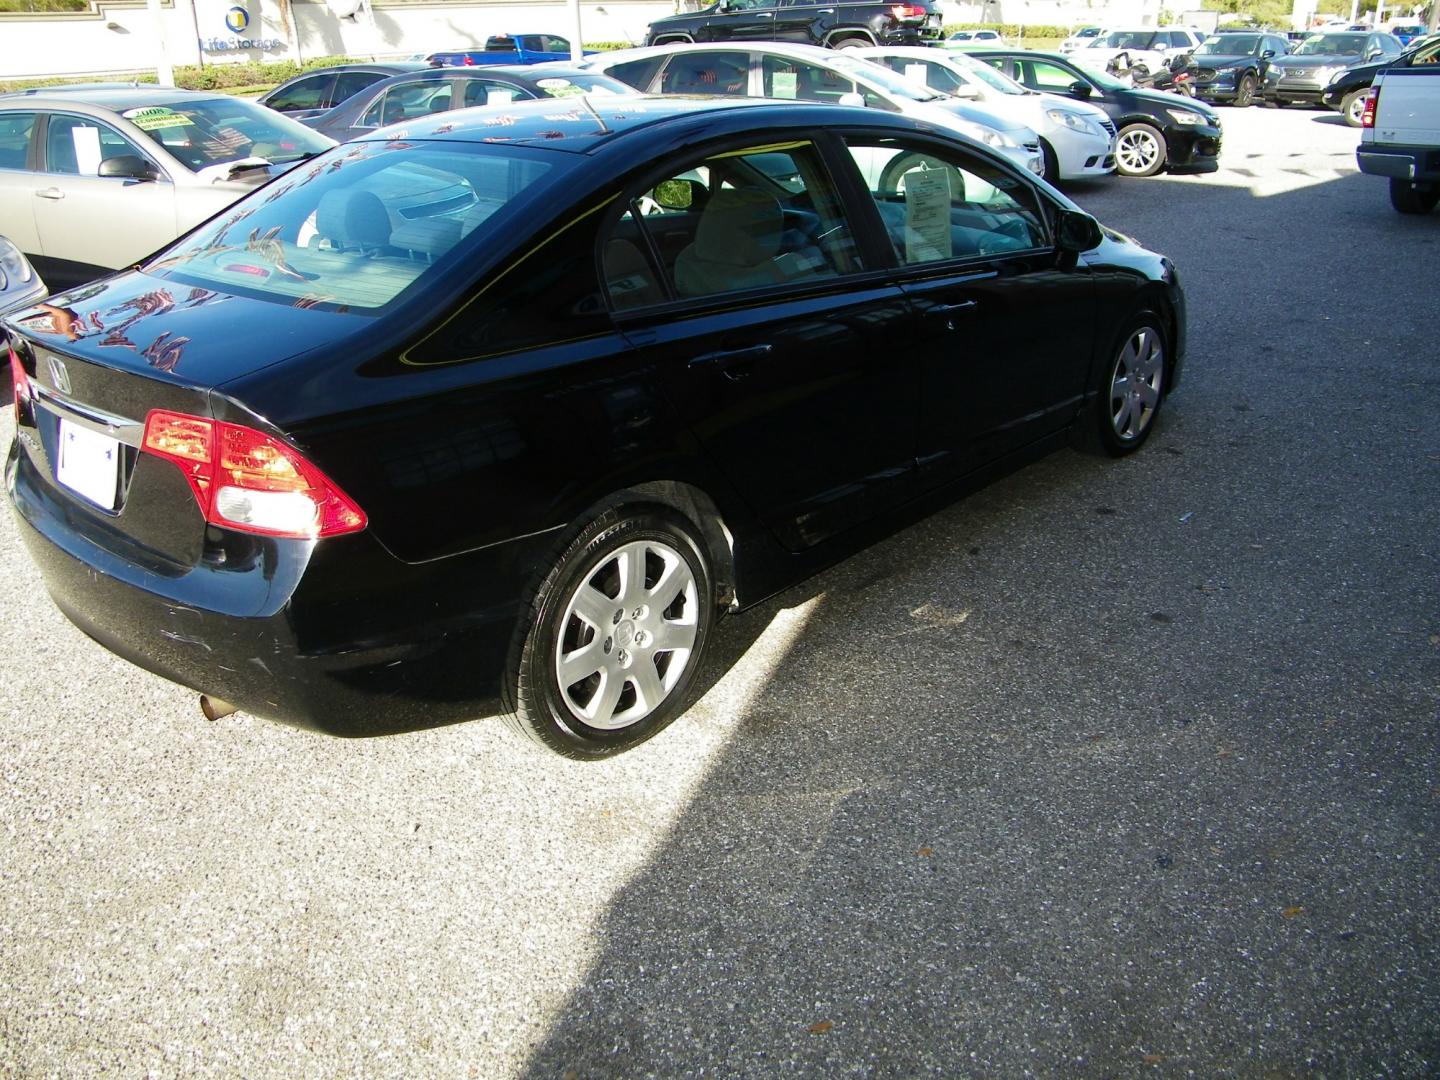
{"x": 1112, "y": 764}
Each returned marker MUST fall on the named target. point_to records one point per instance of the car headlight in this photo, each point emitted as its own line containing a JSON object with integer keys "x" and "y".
{"x": 998, "y": 139}
{"x": 1185, "y": 116}
{"x": 1225, "y": 75}
{"x": 14, "y": 267}
{"x": 1072, "y": 120}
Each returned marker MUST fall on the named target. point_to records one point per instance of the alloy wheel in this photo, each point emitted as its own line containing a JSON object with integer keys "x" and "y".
{"x": 1139, "y": 151}
{"x": 627, "y": 635}
{"x": 1136, "y": 384}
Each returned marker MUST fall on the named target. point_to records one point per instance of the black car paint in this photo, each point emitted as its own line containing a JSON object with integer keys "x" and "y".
{"x": 1190, "y": 148}
{"x": 1361, "y": 76}
{"x": 809, "y": 22}
{"x": 467, "y": 461}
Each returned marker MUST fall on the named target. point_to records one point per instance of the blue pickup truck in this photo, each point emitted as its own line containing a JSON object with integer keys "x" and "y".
{"x": 507, "y": 49}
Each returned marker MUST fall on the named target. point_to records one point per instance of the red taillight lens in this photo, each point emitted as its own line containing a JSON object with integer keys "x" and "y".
{"x": 908, "y": 11}
{"x": 19, "y": 382}
{"x": 1372, "y": 101}
{"x": 244, "y": 479}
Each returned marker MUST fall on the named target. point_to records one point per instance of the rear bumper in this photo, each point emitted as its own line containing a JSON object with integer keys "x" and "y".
{"x": 1420, "y": 163}
{"x": 338, "y": 636}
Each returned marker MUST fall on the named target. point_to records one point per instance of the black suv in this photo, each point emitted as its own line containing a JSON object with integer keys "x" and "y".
{"x": 836, "y": 26}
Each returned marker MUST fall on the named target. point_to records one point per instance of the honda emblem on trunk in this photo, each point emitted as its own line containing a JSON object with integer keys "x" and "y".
{"x": 59, "y": 376}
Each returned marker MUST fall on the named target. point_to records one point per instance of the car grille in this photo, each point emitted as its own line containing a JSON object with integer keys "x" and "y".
{"x": 1206, "y": 74}
{"x": 1303, "y": 74}
{"x": 1109, "y": 126}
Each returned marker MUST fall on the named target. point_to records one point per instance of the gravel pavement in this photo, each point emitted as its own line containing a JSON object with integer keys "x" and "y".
{"x": 1114, "y": 767}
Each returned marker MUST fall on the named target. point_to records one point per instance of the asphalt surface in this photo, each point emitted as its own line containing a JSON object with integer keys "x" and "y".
{"x": 1113, "y": 767}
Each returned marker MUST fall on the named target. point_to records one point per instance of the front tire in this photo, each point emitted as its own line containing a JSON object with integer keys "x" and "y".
{"x": 1052, "y": 163}
{"x": 1245, "y": 91}
{"x": 1131, "y": 388}
{"x": 614, "y": 636}
{"x": 1409, "y": 197}
{"x": 1140, "y": 150}
{"x": 1352, "y": 107}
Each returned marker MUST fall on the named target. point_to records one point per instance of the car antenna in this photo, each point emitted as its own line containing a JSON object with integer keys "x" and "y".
{"x": 598, "y": 118}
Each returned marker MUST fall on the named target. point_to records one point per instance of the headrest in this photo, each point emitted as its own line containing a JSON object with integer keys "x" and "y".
{"x": 353, "y": 218}
{"x": 742, "y": 228}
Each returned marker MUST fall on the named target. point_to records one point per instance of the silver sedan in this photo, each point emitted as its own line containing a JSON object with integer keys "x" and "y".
{"x": 95, "y": 178}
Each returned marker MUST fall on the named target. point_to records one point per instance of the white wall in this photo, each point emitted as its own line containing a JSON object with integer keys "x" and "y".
{"x": 120, "y": 38}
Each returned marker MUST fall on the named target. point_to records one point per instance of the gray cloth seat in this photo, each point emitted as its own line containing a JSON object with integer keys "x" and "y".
{"x": 739, "y": 235}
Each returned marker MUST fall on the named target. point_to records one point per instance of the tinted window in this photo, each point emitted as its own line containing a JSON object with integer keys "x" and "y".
{"x": 489, "y": 92}
{"x": 407, "y": 103}
{"x": 795, "y": 79}
{"x": 15, "y": 129}
{"x": 637, "y": 73}
{"x": 748, "y": 220}
{"x": 355, "y": 229}
{"x": 708, "y": 73}
{"x": 946, "y": 205}
{"x": 935, "y": 76}
{"x": 76, "y": 145}
{"x": 311, "y": 93}
{"x": 350, "y": 83}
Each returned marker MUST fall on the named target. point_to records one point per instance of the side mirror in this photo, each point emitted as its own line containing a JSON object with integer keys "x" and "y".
{"x": 1077, "y": 231}
{"x": 1081, "y": 89}
{"x": 680, "y": 194}
{"x": 854, "y": 100}
{"x": 966, "y": 91}
{"x": 1267, "y": 54}
{"x": 1374, "y": 53}
{"x": 127, "y": 167}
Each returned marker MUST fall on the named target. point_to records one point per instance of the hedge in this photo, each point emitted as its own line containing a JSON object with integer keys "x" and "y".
{"x": 1013, "y": 30}
{"x": 209, "y": 77}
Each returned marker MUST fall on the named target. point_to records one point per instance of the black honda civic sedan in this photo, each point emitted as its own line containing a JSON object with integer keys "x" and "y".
{"x": 498, "y": 411}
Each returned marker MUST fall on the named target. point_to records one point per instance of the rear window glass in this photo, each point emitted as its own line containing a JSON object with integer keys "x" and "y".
{"x": 355, "y": 228}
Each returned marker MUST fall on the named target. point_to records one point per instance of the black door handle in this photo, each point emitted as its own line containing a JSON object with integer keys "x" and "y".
{"x": 735, "y": 363}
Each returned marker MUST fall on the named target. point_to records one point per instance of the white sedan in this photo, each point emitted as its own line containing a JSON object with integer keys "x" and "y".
{"x": 1077, "y": 140}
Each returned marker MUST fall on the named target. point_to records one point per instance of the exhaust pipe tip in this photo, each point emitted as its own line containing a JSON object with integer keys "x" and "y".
{"x": 214, "y": 708}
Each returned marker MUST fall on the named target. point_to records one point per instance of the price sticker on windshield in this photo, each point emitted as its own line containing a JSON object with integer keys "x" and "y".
{"x": 155, "y": 118}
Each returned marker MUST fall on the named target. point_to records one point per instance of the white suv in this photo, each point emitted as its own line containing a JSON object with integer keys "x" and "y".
{"x": 1143, "y": 50}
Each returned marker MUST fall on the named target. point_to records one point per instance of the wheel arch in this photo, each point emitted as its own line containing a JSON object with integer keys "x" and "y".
{"x": 844, "y": 33}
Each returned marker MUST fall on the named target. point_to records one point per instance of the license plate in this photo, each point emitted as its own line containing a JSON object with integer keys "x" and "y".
{"x": 88, "y": 464}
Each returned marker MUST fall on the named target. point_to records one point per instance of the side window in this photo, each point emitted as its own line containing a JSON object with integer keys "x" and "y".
{"x": 1181, "y": 39}
{"x": 708, "y": 73}
{"x": 798, "y": 80}
{"x": 755, "y": 219}
{"x": 555, "y": 44}
{"x": 939, "y": 205}
{"x": 637, "y": 73}
{"x": 76, "y": 145}
{"x": 15, "y": 130}
{"x": 311, "y": 93}
{"x": 408, "y": 103}
{"x": 1048, "y": 77}
{"x": 488, "y": 92}
{"x": 350, "y": 83}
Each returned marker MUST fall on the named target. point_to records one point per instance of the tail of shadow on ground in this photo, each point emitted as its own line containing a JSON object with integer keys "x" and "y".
{"x": 988, "y": 816}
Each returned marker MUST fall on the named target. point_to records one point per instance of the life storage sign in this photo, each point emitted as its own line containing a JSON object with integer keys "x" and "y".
{"x": 237, "y": 21}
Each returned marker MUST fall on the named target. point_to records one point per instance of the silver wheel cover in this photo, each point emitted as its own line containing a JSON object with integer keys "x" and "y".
{"x": 1136, "y": 383}
{"x": 627, "y": 635}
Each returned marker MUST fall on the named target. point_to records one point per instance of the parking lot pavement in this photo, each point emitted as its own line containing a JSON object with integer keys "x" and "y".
{"x": 1113, "y": 765}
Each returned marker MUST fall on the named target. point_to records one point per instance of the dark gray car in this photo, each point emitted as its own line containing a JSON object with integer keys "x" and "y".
{"x": 1301, "y": 77}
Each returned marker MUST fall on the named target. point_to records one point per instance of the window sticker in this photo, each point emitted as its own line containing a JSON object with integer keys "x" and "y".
{"x": 784, "y": 84}
{"x": 917, "y": 73}
{"x": 87, "y": 149}
{"x": 155, "y": 118}
{"x": 498, "y": 97}
{"x": 927, "y": 215}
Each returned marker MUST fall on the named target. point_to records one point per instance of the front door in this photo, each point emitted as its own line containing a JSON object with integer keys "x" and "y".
{"x": 1004, "y": 325}
{"x": 739, "y": 278}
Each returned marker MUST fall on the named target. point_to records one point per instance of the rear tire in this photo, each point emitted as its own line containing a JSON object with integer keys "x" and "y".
{"x": 1130, "y": 390}
{"x": 852, "y": 42}
{"x": 614, "y": 636}
{"x": 1409, "y": 197}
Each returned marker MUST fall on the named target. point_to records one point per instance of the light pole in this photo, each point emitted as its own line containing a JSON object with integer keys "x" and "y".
{"x": 163, "y": 71}
{"x": 577, "y": 49}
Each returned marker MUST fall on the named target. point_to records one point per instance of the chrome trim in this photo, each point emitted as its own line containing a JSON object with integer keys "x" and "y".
{"x": 129, "y": 432}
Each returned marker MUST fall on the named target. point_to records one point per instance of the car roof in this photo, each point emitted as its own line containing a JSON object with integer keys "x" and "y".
{"x": 774, "y": 48}
{"x": 116, "y": 97}
{"x": 581, "y": 124}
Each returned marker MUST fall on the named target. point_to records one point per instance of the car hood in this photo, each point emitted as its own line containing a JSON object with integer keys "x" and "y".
{"x": 176, "y": 332}
{"x": 1219, "y": 62}
{"x": 1174, "y": 101}
{"x": 983, "y": 114}
{"x": 1309, "y": 63}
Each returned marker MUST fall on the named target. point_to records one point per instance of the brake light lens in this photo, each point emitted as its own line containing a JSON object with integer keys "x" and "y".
{"x": 1372, "y": 101}
{"x": 908, "y": 11}
{"x": 247, "y": 480}
{"x": 19, "y": 382}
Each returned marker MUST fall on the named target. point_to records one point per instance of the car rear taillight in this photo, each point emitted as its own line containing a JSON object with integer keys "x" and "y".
{"x": 1372, "y": 102}
{"x": 244, "y": 479}
{"x": 19, "y": 381}
{"x": 908, "y": 11}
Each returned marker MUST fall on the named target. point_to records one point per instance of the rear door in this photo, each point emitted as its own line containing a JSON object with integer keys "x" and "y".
{"x": 77, "y": 211}
{"x": 18, "y": 179}
{"x": 784, "y": 349}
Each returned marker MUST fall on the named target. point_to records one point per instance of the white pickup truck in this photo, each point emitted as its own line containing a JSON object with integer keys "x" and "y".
{"x": 1400, "y": 130}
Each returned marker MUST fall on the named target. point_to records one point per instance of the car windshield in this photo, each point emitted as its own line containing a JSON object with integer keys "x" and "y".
{"x": 1332, "y": 45}
{"x": 214, "y": 131}
{"x": 360, "y": 225}
{"x": 1126, "y": 39}
{"x": 881, "y": 78}
{"x": 1230, "y": 45}
{"x": 989, "y": 76}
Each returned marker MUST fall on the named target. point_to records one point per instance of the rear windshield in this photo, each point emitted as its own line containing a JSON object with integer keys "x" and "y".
{"x": 223, "y": 130}
{"x": 360, "y": 225}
